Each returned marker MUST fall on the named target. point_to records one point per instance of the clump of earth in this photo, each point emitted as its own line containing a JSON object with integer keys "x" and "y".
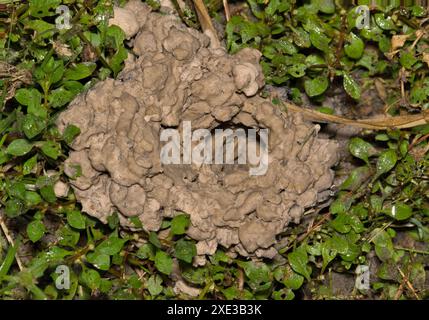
{"x": 173, "y": 76}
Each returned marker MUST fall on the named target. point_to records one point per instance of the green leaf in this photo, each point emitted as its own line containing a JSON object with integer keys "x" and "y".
{"x": 70, "y": 132}
{"x": 99, "y": 260}
{"x": 68, "y": 237}
{"x": 298, "y": 260}
{"x": 105, "y": 285}
{"x": 342, "y": 204}
{"x": 16, "y": 189}
{"x": 283, "y": 294}
{"x": 54, "y": 70}
{"x": 146, "y": 251}
{"x": 163, "y": 262}
{"x": 134, "y": 281}
{"x": 383, "y": 245}
{"x": 153, "y": 238}
{"x": 319, "y": 40}
{"x": 4, "y": 157}
{"x": 80, "y": 71}
{"x": 32, "y": 125}
{"x": 328, "y": 254}
{"x": 60, "y": 97}
{"x": 73, "y": 86}
{"x": 113, "y": 220}
{"x": 51, "y": 148}
{"x": 356, "y": 178}
{"x": 53, "y": 256}
{"x": 326, "y": 110}
{"x": 14, "y": 207}
{"x": 297, "y": 70}
{"x": 31, "y": 98}
{"x": 292, "y": 279}
{"x": 376, "y": 203}
{"x": 385, "y": 23}
{"x": 48, "y": 193}
{"x": 179, "y": 224}
{"x": 115, "y": 37}
{"x": 361, "y": 149}
{"x": 314, "y": 60}
{"x": 6, "y": 122}
{"x": 29, "y": 165}
{"x": 407, "y": 59}
{"x": 19, "y": 147}
{"x": 356, "y": 224}
{"x": 418, "y": 275}
{"x": 76, "y": 219}
{"x": 386, "y": 161}
{"x": 354, "y": 49}
{"x": 136, "y": 222}
{"x": 44, "y": 30}
{"x": 112, "y": 245}
{"x": 301, "y": 38}
{"x": 43, "y": 8}
{"x": 9, "y": 259}
{"x": 272, "y": 7}
{"x": 351, "y": 87}
{"x": 353, "y": 251}
{"x": 91, "y": 278}
{"x": 341, "y": 223}
{"x": 32, "y": 198}
{"x": 316, "y": 86}
{"x": 418, "y": 11}
{"x": 35, "y": 230}
{"x": 231, "y": 293}
{"x": 326, "y": 6}
{"x": 399, "y": 211}
{"x": 258, "y": 273}
{"x": 339, "y": 244}
{"x": 154, "y": 285}
{"x": 384, "y": 44}
{"x": 185, "y": 250}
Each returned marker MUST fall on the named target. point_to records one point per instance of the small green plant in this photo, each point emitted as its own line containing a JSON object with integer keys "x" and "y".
{"x": 310, "y": 45}
{"x": 379, "y": 215}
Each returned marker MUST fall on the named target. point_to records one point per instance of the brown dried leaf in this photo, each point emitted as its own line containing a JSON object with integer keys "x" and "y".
{"x": 398, "y": 41}
{"x": 381, "y": 90}
{"x": 426, "y": 58}
{"x": 62, "y": 49}
{"x": 14, "y": 78}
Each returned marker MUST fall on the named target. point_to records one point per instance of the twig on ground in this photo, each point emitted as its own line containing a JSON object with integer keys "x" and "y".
{"x": 10, "y": 240}
{"x": 400, "y": 290}
{"x": 206, "y": 22}
{"x": 376, "y": 123}
{"x": 408, "y": 283}
{"x": 417, "y": 141}
{"x": 240, "y": 279}
{"x": 227, "y": 12}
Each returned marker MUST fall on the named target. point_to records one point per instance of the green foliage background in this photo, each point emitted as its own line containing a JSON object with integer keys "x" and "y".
{"x": 307, "y": 47}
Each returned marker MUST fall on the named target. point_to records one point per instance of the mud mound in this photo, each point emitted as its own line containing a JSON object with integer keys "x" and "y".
{"x": 175, "y": 77}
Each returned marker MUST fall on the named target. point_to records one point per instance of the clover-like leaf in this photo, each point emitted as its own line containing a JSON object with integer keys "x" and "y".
{"x": 298, "y": 260}
{"x": 35, "y": 230}
{"x": 351, "y": 87}
{"x": 19, "y": 147}
{"x": 316, "y": 86}
{"x": 386, "y": 161}
{"x": 163, "y": 262}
